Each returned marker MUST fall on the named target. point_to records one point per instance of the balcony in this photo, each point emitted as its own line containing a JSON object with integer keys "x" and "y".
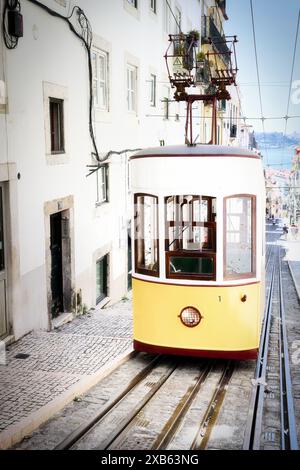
{"x": 210, "y": 33}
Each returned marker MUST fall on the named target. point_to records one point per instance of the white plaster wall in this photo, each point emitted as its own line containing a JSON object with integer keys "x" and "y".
{"x": 49, "y": 52}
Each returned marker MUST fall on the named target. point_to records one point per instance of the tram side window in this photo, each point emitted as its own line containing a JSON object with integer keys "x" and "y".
{"x": 146, "y": 234}
{"x": 190, "y": 241}
{"x": 239, "y": 237}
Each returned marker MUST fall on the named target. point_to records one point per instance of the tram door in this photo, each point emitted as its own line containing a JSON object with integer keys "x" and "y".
{"x": 3, "y": 273}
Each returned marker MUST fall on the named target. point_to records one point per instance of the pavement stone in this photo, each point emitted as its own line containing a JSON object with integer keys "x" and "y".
{"x": 57, "y": 362}
{"x": 292, "y": 256}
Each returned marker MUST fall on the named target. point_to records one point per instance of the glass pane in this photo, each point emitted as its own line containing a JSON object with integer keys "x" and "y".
{"x": 132, "y": 79}
{"x": 238, "y": 235}
{"x": 56, "y": 125}
{"x": 171, "y": 208}
{"x": 204, "y": 210}
{"x": 102, "y": 97}
{"x": 101, "y": 279}
{"x": 95, "y": 92}
{"x": 192, "y": 265}
{"x": 101, "y": 184}
{"x": 196, "y": 210}
{"x": 94, "y": 65}
{"x": 198, "y": 238}
{"x": 146, "y": 233}
{"x": 186, "y": 217}
{"x": 102, "y": 67}
{"x": 2, "y": 261}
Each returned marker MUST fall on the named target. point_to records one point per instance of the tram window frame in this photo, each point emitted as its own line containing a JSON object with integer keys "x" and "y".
{"x": 138, "y": 269}
{"x": 252, "y": 273}
{"x": 181, "y": 251}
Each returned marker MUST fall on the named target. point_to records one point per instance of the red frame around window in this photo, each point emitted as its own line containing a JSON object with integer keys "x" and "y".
{"x": 209, "y": 252}
{"x": 139, "y": 270}
{"x": 252, "y": 273}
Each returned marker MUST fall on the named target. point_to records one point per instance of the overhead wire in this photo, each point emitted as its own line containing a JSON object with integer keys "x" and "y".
{"x": 258, "y": 79}
{"x": 86, "y": 36}
{"x": 174, "y": 16}
{"x": 243, "y": 118}
{"x": 287, "y": 117}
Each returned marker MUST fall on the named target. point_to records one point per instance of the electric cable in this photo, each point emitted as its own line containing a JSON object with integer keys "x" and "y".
{"x": 290, "y": 82}
{"x": 258, "y": 80}
{"x": 86, "y": 36}
{"x": 174, "y": 16}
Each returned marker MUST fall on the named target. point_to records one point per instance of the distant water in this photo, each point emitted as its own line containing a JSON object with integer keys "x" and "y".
{"x": 278, "y": 157}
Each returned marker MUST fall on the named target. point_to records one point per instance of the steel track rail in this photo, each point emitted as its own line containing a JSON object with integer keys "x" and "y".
{"x": 254, "y": 420}
{"x": 171, "y": 426}
{"x": 77, "y": 434}
{"x": 201, "y": 439}
{"x": 287, "y": 413}
{"x": 129, "y": 418}
{"x": 268, "y": 257}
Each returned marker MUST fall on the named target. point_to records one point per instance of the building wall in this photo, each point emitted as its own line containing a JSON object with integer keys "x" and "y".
{"x": 50, "y": 57}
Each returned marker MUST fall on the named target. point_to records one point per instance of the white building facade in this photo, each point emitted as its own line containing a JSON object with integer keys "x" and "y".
{"x": 64, "y": 244}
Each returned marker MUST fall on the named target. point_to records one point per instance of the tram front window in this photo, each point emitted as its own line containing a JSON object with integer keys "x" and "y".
{"x": 146, "y": 234}
{"x": 190, "y": 236}
{"x": 239, "y": 237}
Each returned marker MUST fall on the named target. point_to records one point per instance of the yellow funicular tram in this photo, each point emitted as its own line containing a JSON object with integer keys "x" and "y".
{"x": 198, "y": 230}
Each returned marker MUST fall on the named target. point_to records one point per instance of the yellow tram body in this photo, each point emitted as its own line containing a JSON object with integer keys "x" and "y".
{"x": 228, "y": 327}
{"x": 198, "y": 257}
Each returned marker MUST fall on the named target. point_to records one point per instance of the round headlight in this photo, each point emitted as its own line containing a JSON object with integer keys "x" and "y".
{"x": 190, "y": 316}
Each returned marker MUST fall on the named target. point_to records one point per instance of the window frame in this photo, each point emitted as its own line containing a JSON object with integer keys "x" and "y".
{"x": 100, "y": 53}
{"x": 131, "y": 90}
{"x": 103, "y": 168}
{"x": 180, "y": 252}
{"x": 138, "y": 270}
{"x": 166, "y": 103}
{"x": 153, "y": 6}
{"x": 105, "y": 260}
{"x": 60, "y": 126}
{"x": 133, "y": 3}
{"x": 153, "y": 86}
{"x": 190, "y": 254}
{"x": 252, "y": 273}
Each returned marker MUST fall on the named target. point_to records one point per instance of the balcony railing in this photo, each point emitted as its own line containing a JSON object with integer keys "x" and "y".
{"x": 211, "y": 32}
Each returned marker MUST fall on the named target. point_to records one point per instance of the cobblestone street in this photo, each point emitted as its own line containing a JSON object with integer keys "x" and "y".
{"x": 44, "y": 369}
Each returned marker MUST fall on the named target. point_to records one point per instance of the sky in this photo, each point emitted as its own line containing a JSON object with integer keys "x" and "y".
{"x": 275, "y": 26}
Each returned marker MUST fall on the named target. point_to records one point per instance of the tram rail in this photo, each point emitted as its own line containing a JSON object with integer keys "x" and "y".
{"x": 252, "y": 439}
{"x": 168, "y": 430}
{"x": 288, "y": 424}
{"x": 86, "y": 427}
